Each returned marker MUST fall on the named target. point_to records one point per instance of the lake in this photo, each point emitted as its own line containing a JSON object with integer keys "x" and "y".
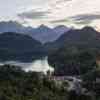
{"x": 39, "y": 65}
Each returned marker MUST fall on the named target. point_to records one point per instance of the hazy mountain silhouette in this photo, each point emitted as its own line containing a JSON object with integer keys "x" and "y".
{"x": 42, "y": 33}
{"x": 61, "y": 29}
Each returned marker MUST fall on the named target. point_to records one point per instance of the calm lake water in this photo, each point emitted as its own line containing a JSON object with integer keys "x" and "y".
{"x": 40, "y": 65}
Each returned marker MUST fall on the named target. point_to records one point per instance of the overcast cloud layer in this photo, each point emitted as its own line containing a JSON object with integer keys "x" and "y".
{"x": 51, "y": 12}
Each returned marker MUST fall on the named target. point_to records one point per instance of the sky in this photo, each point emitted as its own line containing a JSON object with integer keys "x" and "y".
{"x": 52, "y": 12}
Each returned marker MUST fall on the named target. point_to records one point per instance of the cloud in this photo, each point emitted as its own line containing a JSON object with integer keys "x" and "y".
{"x": 69, "y": 12}
{"x": 79, "y": 19}
{"x": 82, "y": 22}
{"x": 85, "y": 18}
{"x": 33, "y": 14}
{"x": 61, "y": 1}
{"x": 59, "y": 21}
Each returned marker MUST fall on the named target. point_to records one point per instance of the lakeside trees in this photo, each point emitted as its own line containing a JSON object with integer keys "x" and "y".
{"x": 15, "y": 84}
{"x": 72, "y": 61}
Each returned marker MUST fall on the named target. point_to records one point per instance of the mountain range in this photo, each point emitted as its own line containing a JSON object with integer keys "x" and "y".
{"x": 14, "y": 46}
{"x": 42, "y": 33}
{"x": 75, "y": 52}
{"x": 26, "y": 43}
{"x": 85, "y": 37}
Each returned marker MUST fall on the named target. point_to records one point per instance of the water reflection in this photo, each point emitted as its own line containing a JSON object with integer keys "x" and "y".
{"x": 40, "y": 65}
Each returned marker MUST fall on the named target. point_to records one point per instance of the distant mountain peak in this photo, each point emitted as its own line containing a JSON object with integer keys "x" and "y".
{"x": 42, "y": 26}
{"x": 61, "y": 26}
{"x": 10, "y": 23}
{"x": 42, "y": 33}
{"x": 88, "y": 28}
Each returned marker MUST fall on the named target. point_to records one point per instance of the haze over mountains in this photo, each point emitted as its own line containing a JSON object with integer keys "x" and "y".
{"x": 56, "y": 36}
{"x": 27, "y": 43}
{"x": 42, "y": 33}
